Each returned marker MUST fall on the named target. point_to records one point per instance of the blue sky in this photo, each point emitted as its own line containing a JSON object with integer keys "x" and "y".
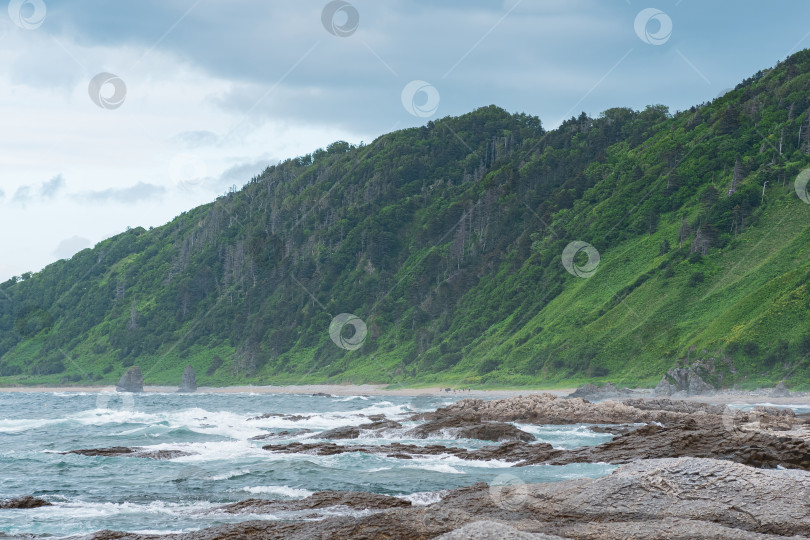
{"x": 203, "y": 94}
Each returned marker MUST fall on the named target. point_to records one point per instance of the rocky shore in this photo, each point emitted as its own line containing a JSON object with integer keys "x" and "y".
{"x": 686, "y": 470}
{"x": 696, "y": 498}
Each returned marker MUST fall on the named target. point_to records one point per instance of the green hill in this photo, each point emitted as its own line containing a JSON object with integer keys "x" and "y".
{"x": 446, "y": 242}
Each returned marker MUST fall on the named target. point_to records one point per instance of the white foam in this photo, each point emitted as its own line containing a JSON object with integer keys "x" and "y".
{"x": 424, "y": 498}
{"x": 285, "y": 491}
{"x": 24, "y": 424}
{"x": 231, "y": 474}
{"x": 352, "y": 398}
{"x": 435, "y": 467}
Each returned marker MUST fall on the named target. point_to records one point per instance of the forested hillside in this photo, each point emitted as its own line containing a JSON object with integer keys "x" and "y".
{"x": 446, "y": 243}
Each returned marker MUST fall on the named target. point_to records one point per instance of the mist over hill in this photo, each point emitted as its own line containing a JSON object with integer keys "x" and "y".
{"x": 479, "y": 249}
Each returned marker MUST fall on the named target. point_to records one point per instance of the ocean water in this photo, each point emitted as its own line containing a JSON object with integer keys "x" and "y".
{"x": 179, "y": 495}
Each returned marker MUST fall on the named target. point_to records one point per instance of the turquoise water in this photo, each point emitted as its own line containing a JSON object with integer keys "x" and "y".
{"x": 148, "y": 496}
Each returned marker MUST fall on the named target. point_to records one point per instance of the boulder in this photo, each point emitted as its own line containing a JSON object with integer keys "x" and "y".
{"x": 780, "y": 390}
{"x": 685, "y": 380}
{"x": 189, "y": 382}
{"x": 132, "y": 381}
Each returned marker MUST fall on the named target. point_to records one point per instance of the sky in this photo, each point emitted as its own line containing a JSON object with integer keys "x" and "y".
{"x": 126, "y": 114}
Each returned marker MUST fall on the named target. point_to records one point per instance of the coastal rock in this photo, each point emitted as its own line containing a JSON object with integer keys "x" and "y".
{"x": 469, "y": 426}
{"x": 280, "y": 434}
{"x": 544, "y": 408}
{"x": 289, "y": 417}
{"x": 780, "y": 390}
{"x": 189, "y": 382}
{"x": 592, "y": 391}
{"x": 747, "y": 440}
{"x": 322, "y": 499}
{"x": 493, "y": 530}
{"x": 683, "y": 498}
{"x": 131, "y": 381}
{"x": 682, "y": 380}
{"x": 693, "y": 438}
{"x": 118, "y": 451}
{"x": 23, "y": 503}
{"x": 675, "y": 405}
{"x": 353, "y": 432}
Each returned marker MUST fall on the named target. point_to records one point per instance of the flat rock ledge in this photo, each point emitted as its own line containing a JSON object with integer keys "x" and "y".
{"x": 692, "y": 498}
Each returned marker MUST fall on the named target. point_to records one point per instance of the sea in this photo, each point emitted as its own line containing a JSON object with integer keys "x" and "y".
{"x": 149, "y": 496}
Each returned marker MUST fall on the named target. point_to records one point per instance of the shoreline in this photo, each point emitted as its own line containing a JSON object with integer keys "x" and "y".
{"x": 722, "y": 397}
{"x": 333, "y": 389}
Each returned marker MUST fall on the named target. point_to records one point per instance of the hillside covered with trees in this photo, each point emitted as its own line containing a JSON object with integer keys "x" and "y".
{"x": 447, "y": 241}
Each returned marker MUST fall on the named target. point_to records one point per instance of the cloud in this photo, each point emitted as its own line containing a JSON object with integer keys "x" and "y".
{"x": 196, "y": 139}
{"x": 46, "y": 191}
{"x": 2, "y": 194}
{"x": 128, "y": 195}
{"x": 68, "y": 247}
{"x": 53, "y": 186}
{"x": 22, "y": 196}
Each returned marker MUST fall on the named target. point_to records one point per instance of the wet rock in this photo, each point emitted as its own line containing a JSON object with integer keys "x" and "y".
{"x": 289, "y": 417}
{"x": 469, "y": 426}
{"x": 514, "y": 451}
{"x": 322, "y": 394}
{"x": 612, "y": 430}
{"x": 322, "y": 499}
{"x": 353, "y": 432}
{"x": 704, "y": 437}
{"x": 131, "y": 381}
{"x": 683, "y": 380}
{"x": 118, "y": 451}
{"x": 23, "y": 503}
{"x": 281, "y": 434}
{"x": 188, "y": 383}
{"x": 780, "y": 390}
{"x": 693, "y": 438}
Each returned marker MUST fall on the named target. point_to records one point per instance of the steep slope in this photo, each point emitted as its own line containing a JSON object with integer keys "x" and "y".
{"x": 446, "y": 243}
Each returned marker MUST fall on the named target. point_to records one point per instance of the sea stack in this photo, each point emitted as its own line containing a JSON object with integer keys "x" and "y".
{"x": 189, "y": 382}
{"x": 132, "y": 381}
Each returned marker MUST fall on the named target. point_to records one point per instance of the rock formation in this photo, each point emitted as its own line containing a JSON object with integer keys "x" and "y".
{"x": 780, "y": 390}
{"x": 189, "y": 381}
{"x": 132, "y": 381}
{"x": 592, "y": 391}
{"x": 660, "y": 498}
{"x": 682, "y": 380}
{"x": 546, "y": 408}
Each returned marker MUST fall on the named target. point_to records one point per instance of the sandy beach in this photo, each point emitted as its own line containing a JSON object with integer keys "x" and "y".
{"x": 729, "y": 397}
{"x": 333, "y": 389}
